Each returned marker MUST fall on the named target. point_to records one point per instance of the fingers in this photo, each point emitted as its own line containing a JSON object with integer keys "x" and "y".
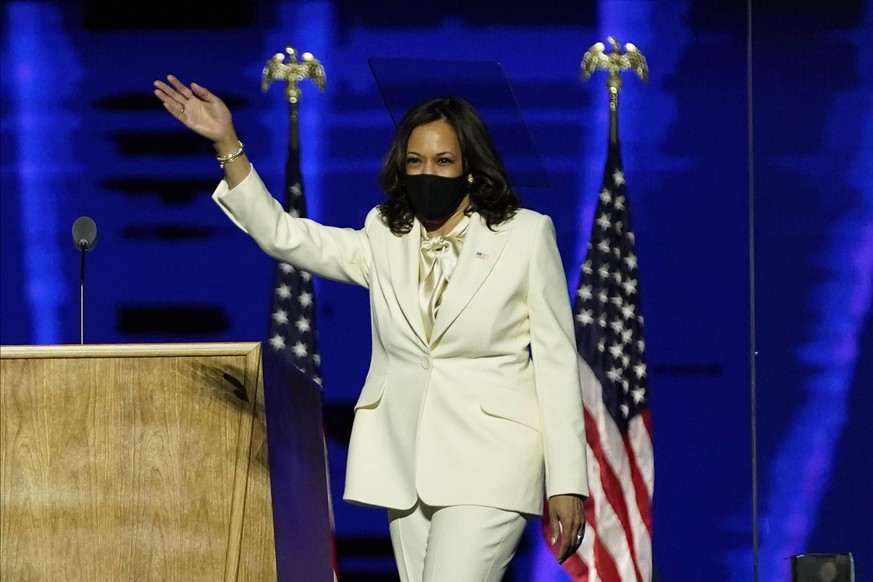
{"x": 195, "y": 107}
{"x": 561, "y": 531}
{"x": 176, "y": 108}
{"x": 554, "y": 526}
{"x": 564, "y": 551}
{"x": 201, "y": 92}
{"x": 163, "y": 91}
{"x": 570, "y": 544}
{"x": 570, "y": 522}
{"x": 171, "y": 91}
{"x": 173, "y": 96}
{"x": 180, "y": 87}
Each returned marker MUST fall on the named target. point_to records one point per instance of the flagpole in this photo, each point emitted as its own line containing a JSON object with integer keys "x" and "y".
{"x": 293, "y": 329}
{"x": 597, "y": 59}
{"x": 609, "y": 340}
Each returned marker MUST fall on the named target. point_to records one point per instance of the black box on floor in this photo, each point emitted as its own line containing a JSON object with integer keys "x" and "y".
{"x": 822, "y": 568}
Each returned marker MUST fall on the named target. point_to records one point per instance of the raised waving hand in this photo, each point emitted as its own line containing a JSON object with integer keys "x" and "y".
{"x": 207, "y": 115}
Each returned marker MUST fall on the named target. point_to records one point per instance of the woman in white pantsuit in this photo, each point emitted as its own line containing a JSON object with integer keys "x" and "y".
{"x": 472, "y": 407}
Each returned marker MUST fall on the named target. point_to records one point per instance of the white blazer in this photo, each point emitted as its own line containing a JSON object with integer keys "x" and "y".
{"x": 489, "y": 411}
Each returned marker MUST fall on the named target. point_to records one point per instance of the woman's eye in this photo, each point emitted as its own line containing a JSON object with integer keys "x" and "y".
{"x": 410, "y": 161}
{"x": 445, "y": 161}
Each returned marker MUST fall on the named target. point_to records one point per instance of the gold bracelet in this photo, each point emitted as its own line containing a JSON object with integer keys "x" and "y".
{"x": 222, "y": 160}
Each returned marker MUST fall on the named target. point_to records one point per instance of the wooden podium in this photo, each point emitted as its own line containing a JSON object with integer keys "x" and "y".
{"x": 149, "y": 462}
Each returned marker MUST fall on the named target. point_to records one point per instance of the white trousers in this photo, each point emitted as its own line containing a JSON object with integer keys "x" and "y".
{"x": 459, "y": 543}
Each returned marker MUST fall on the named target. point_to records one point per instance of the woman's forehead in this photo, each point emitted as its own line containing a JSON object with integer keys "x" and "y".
{"x": 437, "y": 134}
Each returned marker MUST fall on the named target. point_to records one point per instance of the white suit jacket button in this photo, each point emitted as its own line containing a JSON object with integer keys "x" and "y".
{"x": 425, "y": 362}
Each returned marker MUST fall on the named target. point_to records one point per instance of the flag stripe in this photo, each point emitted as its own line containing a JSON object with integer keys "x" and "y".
{"x": 640, "y": 487}
{"x": 600, "y": 559}
{"x": 640, "y": 434}
{"x": 614, "y": 502}
{"x": 606, "y": 539}
{"x": 641, "y": 520}
{"x": 606, "y": 566}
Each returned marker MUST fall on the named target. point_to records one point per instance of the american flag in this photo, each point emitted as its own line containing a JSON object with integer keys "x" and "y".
{"x": 292, "y": 315}
{"x": 617, "y": 546}
{"x": 292, "y": 329}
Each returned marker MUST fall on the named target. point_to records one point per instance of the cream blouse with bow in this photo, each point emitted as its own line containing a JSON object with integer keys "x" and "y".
{"x": 438, "y": 258}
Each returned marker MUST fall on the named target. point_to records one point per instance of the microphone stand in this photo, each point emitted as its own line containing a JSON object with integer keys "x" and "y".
{"x": 83, "y": 246}
{"x": 84, "y": 238}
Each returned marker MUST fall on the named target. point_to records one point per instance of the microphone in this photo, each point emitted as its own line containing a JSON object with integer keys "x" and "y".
{"x": 85, "y": 233}
{"x": 85, "y": 239}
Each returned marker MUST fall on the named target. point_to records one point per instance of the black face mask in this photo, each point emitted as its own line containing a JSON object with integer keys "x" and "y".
{"x": 435, "y": 198}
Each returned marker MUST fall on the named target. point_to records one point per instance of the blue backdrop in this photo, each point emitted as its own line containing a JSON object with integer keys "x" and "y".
{"x": 754, "y": 222}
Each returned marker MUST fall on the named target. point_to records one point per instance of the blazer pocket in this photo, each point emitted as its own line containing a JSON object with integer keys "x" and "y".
{"x": 371, "y": 393}
{"x": 512, "y": 405}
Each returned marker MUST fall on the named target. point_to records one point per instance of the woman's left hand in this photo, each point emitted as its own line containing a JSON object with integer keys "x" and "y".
{"x": 567, "y": 518}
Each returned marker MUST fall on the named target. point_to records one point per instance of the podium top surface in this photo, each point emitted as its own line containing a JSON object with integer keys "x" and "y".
{"x": 128, "y": 350}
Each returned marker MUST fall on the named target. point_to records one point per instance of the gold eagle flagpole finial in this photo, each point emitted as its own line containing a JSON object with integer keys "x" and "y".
{"x": 597, "y": 59}
{"x": 293, "y": 71}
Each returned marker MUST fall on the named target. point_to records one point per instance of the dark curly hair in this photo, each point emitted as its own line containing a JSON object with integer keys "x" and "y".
{"x": 490, "y": 193}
